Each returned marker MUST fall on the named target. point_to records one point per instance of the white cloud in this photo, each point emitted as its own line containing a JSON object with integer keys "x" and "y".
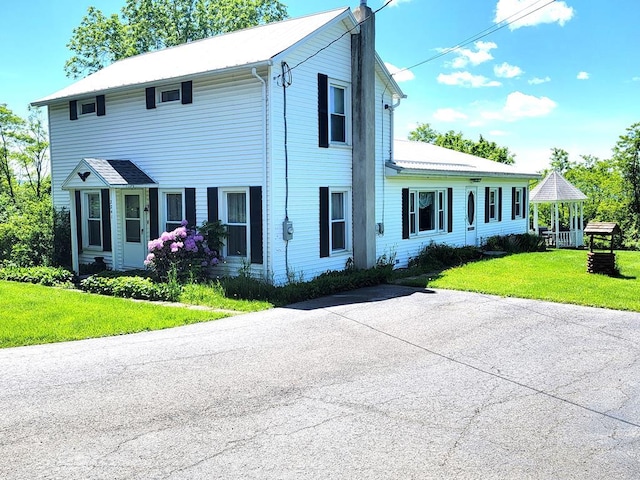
{"x": 474, "y": 57}
{"x": 398, "y": 74}
{"x": 448, "y": 115}
{"x": 636, "y": 79}
{"x": 466, "y": 79}
{"x": 507, "y": 71}
{"x": 510, "y": 10}
{"x": 395, "y": 3}
{"x": 583, "y": 76}
{"x": 538, "y": 81}
{"x": 519, "y": 105}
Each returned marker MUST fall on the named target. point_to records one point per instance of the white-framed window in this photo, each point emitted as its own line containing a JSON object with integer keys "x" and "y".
{"x": 517, "y": 203}
{"x": 235, "y": 215}
{"x": 93, "y": 220}
{"x": 173, "y": 213}
{"x": 493, "y": 204}
{"x": 427, "y": 211}
{"x": 87, "y": 107}
{"x": 168, "y": 94}
{"x": 338, "y": 220}
{"x": 338, "y": 108}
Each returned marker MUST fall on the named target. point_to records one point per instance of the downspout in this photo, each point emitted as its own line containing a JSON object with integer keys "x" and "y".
{"x": 265, "y": 220}
{"x": 391, "y": 126}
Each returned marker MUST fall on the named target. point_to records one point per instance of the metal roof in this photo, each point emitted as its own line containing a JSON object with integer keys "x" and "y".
{"x": 425, "y": 158}
{"x": 241, "y": 49}
{"x": 556, "y": 188}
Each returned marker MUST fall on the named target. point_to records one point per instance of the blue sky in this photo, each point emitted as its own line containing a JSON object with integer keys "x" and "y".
{"x": 566, "y": 76}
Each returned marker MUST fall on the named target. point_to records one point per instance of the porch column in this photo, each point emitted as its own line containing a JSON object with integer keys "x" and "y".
{"x": 75, "y": 262}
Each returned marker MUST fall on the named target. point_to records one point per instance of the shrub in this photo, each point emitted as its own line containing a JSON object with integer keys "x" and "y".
{"x": 61, "y": 255}
{"x": 183, "y": 251}
{"x": 245, "y": 287}
{"x": 437, "y": 256}
{"x": 131, "y": 287}
{"x": 49, "y": 276}
{"x": 516, "y": 243}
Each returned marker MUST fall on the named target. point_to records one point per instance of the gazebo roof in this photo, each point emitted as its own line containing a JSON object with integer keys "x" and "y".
{"x": 556, "y": 188}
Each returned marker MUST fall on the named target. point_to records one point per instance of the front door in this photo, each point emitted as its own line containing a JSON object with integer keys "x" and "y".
{"x": 134, "y": 248}
{"x": 471, "y": 214}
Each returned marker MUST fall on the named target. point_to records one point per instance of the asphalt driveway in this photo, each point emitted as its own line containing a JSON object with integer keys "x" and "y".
{"x": 386, "y": 382}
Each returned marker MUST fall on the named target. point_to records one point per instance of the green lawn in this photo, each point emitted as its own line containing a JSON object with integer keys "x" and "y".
{"x": 555, "y": 275}
{"x": 33, "y": 314}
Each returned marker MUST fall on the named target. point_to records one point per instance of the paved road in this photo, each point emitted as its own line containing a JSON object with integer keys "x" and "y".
{"x": 387, "y": 382}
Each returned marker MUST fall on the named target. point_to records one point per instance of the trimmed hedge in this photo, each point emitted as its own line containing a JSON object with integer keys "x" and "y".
{"x": 516, "y": 243}
{"x": 48, "y": 276}
{"x": 131, "y": 287}
{"x": 438, "y": 256}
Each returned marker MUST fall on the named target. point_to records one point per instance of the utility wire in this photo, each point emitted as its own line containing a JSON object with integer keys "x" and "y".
{"x": 340, "y": 37}
{"x": 484, "y": 33}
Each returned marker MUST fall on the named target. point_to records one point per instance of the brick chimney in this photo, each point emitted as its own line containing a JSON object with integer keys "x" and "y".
{"x": 363, "y": 153}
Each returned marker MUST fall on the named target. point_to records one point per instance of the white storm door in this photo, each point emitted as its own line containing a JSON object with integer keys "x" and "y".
{"x": 471, "y": 216}
{"x": 134, "y": 251}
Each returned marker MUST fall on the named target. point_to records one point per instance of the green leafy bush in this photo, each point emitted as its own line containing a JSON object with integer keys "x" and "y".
{"x": 516, "y": 243}
{"x": 245, "y": 287}
{"x": 437, "y": 256}
{"x": 49, "y": 276}
{"x": 131, "y": 287}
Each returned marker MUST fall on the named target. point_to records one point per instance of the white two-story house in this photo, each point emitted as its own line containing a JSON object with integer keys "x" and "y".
{"x": 284, "y": 132}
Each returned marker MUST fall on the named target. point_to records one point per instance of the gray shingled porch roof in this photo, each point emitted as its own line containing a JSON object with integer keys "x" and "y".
{"x": 119, "y": 172}
{"x": 556, "y": 188}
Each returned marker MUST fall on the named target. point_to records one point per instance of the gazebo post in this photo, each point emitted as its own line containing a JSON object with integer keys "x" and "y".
{"x": 557, "y": 225}
{"x": 536, "y": 227}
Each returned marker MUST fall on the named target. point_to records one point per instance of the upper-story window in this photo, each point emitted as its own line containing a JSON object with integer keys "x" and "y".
{"x": 334, "y": 107}
{"x": 169, "y": 95}
{"x": 338, "y": 116}
{"x": 87, "y": 107}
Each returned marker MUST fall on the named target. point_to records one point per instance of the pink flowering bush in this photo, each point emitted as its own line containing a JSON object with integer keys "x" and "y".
{"x": 183, "y": 250}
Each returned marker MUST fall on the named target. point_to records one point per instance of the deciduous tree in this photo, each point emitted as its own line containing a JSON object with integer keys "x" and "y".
{"x": 146, "y": 25}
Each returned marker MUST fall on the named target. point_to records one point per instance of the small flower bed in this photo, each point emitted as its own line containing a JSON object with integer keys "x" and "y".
{"x": 48, "y": 276}
{"x": 182, "y": 251}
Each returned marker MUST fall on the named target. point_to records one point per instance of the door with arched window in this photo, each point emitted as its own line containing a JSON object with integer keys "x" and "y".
{"x": 471, "y": 234}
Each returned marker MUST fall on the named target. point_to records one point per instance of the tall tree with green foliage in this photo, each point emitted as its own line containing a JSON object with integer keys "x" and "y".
{"x": 147, "y": 25}
{"x": 626, "y": 154}
{"x": 559, "y": 160}
{"x": 456, "y": 141}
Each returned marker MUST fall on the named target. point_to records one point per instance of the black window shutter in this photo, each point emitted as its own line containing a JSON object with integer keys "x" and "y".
{"x": 100, "y": 106}
{"x": 449, "y": 210}
{"x": 324, "y": 222}
{"x": 323, "y": 111}
{"x": 150, "y": 93}
{"x": 525, "y": 205}
{"x": 500, "y": 204}
{"x": 78, "y": 219}
{"x": 212, "y": 204}
{"x": 154, "y": 231}
{"x": 513, "y": 203}
{"x": 106, "y": 220}
{"x": 405, "y": 213}
{"x": 73, "y": 110}
{"x": 187, "y": 92}
{"x": 190, "y": 206}
{"x": 255, "y": 223}
{"x": 487, "y": 191}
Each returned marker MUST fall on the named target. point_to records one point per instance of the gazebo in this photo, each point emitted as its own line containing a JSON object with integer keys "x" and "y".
{"x": 557, "y": 191}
